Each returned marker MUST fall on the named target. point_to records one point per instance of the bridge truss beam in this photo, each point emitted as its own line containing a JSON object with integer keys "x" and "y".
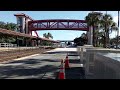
{"x": 80, "y": 25}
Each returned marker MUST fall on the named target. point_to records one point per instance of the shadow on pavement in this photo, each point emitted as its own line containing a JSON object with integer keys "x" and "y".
{"x": 28, "y": 67}
{"x": 49, "y": 60}
{"x": 27, "y": 61}
{"x": 75, "y": 73}
{"x": 13, "y": 71}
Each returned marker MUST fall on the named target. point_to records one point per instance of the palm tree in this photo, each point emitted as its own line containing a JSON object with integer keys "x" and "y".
{"x": 11, "y": 26}
{"x": 2, "y": 24}
{"x": 4, "y": 38}
{"x": 108, "y": 25}
{"x": 45, "y": 35}
{"x": 93, "y": 20}
{"x": 48, "y": 35}
{"x": 100, "y": 38}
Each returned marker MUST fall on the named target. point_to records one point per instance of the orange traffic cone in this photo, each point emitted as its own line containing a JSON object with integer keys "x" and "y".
{"x": 61, "y": 73}
{"x": 67, "y": 62}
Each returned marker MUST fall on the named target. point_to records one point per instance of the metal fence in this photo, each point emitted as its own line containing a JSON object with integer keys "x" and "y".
{"x": 7, "y": 45}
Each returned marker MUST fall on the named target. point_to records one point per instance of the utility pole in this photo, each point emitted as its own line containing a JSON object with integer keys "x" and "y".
{"x": 106, "y": 34}
{"x": 118, "y": 33}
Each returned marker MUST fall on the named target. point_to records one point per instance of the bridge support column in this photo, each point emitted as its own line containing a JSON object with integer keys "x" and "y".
{"x": 90, "y": 36}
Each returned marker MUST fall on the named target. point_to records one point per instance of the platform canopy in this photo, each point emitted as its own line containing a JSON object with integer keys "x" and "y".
{"x": 14, "y": 33}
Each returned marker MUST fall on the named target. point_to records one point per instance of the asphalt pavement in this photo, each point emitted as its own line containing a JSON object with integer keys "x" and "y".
{"x": 42, "y": 66}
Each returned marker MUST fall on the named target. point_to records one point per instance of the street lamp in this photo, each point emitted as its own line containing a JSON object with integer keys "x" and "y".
{"x": 118, "y": 33}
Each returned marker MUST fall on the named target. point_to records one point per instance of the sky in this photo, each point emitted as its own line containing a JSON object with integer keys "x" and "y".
{"x": 8, "y": 16}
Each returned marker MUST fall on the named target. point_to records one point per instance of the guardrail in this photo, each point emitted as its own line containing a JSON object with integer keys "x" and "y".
{"x": 7, "y": 45}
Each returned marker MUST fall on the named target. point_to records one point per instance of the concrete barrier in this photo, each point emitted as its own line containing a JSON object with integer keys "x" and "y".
{"x": 82, "y": 52}
{"x": 105, "y": 68}
{"x": 97, "y": 66}
{"x": 91, "y": 61}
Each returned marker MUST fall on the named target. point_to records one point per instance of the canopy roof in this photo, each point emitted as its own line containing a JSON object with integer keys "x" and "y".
{"x": 14, "y": 33}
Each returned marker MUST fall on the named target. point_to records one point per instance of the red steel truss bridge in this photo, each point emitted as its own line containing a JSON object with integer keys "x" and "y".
{"x": 57, "y": 24}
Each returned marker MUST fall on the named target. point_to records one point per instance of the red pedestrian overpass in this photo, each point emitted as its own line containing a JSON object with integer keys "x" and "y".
{"x": 28, "y": 25}
{"x": 57, "y": 24}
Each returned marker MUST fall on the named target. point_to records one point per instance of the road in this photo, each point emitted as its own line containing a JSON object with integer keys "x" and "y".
{"x": 39, "y": 66}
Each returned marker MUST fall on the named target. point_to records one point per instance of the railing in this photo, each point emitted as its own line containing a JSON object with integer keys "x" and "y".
{"x": 7, "y": 45}
{"x": 58, "y": 25}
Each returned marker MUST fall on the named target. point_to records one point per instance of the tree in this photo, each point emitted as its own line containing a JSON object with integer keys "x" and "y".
{"x": 80, "y": 41}
{"x": 2, "y": 24}
{"x": 108, "y": 26}
{"x": 83, "y": 35}
{"x": 102, "y": 25}
{"x": 7, "y": 38}
{"x": 69, "y": 43}
{"x": 93, "y": 20}
{"x": 11, "y": 26}
{"x": 45, "y": 35}
{"x": 48, "y": 35}
{"x": 100, "y": 38}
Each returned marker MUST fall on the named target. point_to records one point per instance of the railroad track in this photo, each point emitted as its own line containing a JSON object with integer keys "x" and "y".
{"x": 9, "y": 55}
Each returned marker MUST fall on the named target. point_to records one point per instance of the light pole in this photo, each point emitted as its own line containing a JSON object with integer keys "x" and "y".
{"x": 117, "y": 33}
{"x": 106, "y": 34}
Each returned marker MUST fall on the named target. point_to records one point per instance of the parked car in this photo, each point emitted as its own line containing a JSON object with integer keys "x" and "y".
{"x": 113, "y": 46}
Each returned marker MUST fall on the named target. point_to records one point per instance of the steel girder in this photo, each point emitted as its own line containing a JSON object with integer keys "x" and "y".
{"x": 58, "y": 24}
